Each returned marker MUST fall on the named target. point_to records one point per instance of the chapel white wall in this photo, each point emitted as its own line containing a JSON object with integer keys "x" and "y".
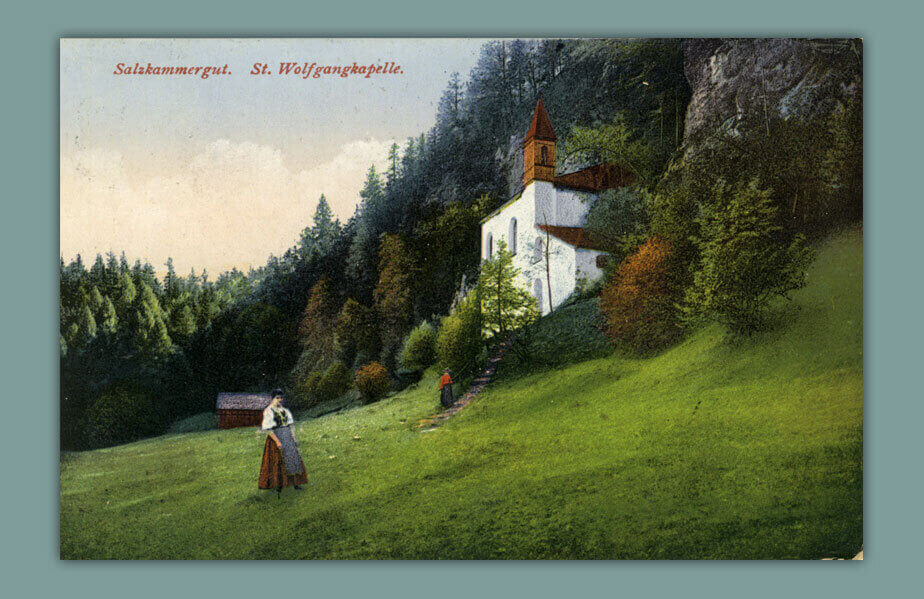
{"x": 571, "y": 207}
{"x": 561, "y": 272}
{"x": 567, "y": 263}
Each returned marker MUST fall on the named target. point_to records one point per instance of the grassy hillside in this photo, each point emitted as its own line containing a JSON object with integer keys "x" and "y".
{"x": 710, "y": 450}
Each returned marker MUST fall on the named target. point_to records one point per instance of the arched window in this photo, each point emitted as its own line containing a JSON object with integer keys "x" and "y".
{"x": 512, "y": 234}
{"x": 489, "y": 246}
{"x": 537, "y": 291}
{"x": 545, "y": 154}
{"x": 538, "y": 249}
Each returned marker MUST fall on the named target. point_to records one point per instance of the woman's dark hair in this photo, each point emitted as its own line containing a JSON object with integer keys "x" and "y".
{"x": 278, "y": 393}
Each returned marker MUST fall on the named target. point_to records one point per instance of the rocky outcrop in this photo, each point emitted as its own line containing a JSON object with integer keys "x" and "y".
{"x": 511, "y": 161}
{"x": 736, "y": 80}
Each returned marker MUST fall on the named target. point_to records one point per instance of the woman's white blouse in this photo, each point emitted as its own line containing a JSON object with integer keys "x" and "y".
{"x": 269, "y": 421}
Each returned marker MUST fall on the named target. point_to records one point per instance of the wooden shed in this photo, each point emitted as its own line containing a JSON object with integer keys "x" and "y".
{"x": 241, "y": 409}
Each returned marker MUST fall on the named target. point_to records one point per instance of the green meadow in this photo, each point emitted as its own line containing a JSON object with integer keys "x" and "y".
{"x": 714, "y": 449}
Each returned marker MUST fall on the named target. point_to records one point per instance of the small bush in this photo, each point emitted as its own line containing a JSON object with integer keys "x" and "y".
{"x": 372, "y": 381}
{"x": 458, "y": 343}
{"x": 335, "y": 382}
{"x": 123, "y": 412}
{"x": 638, "y": 302}
{"x": 419, "y": 348}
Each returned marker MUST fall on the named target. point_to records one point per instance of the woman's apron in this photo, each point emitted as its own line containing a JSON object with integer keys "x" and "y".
{"x": 289, "y": 449}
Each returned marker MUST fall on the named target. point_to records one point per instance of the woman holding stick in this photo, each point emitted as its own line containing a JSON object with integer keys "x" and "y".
{"x": 282, "y": 465}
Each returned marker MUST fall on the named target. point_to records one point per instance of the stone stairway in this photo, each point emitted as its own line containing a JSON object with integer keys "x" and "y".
{"x": 429, "y": 424}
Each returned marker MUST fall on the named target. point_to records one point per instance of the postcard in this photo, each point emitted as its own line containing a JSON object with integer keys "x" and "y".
{"x": 461, "y": 299}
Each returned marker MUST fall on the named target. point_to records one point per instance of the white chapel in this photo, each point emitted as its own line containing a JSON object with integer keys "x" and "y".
{"x": 551, "y": 209}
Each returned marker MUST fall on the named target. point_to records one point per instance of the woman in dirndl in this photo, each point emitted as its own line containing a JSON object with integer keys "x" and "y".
{"x": 282, "y": 465}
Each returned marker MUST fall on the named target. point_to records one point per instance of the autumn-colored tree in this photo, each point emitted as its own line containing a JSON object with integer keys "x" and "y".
{"x": 372, "y": 381}
{"x": 316, "y": 328}
{"x": 638, "y": 301}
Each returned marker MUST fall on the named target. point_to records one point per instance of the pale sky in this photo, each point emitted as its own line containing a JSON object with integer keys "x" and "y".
{"x": 224, "y": 171}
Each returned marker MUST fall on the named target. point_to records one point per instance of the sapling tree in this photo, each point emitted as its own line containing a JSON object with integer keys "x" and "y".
{"x": 505, "y": 306}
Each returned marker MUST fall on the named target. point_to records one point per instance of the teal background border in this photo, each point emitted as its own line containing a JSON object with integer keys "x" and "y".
{"x": 29, "y": 544}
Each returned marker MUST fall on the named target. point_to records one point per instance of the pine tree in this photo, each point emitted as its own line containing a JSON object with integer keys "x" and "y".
{"x": 182, "y": 322}
{"x": 126, "y": 293}
{"x": 108, "y": 321}
{"x": 207, "y": 306}
{"x": 95, "y": 299}
{"x": 160, "y": 342}
{"x": 75, "y": 269}
{"x": 71, "y": 333}
{"x": 409, "y": 158}
{"x": 98, "y": 271}
{"x": 171, "y": 283}
{"x": 371, "y": 222}
{"x": 391, "y": 175}
{"x": 325, "y": 229}
{"x": 86, "y": 326}
{"x": 150, "y": 334}
{"x": 746, "y": 260}
{"x": 448, "y": 111}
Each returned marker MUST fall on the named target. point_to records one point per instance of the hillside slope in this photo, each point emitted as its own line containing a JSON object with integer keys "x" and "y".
{"x": 710, "y": 450}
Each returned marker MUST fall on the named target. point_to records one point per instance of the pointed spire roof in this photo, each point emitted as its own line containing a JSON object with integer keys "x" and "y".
{"x": 541, "y": 127}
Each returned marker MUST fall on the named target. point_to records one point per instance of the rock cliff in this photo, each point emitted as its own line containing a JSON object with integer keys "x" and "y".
{"x": 733, "y": 80}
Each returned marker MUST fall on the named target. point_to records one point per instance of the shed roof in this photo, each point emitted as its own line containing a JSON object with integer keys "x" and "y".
{"x": 576, "y": 236}
{"x": 243, "y": 401}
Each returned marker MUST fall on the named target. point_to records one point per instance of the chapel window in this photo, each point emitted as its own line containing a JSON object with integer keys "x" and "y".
{"x": 512, "y": 234}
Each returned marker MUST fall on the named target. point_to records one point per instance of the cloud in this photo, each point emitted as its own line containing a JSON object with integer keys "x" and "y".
{"x": 232, "y": 204}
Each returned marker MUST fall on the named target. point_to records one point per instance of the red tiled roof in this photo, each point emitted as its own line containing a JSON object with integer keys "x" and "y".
{"x": 541, "y": 127}
{"x": 597, "y": 178}
{"x": 576, "y": 236}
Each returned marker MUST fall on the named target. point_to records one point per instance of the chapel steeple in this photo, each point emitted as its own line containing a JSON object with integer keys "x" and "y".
{"x": 539, "y": 148}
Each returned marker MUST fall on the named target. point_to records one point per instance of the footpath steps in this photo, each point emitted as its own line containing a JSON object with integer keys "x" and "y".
{"x": 484, "y": 378}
